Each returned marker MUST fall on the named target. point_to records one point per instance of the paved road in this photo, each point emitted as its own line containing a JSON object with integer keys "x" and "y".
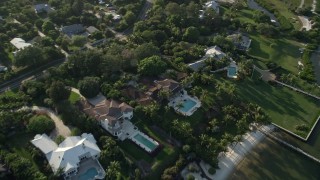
{"x": 142, "y": 16}
{"x": 15, "y": 82}
{"x": 314, "y": 5}
{"x": 301, "y": 4}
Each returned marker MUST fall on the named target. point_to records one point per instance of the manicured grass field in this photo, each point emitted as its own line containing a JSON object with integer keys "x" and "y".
{"x": 283, "y": 8}
{"x": 246, "y": 15}
{"x": 74, "y": 97}
{"x": 281, "y": 51}
{"x": 285, "y": 107}
{"x": 318, "y": 6}
{"x": 269, "y": 160}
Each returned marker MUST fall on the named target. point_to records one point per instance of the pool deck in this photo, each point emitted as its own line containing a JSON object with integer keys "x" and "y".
{"x": 146, "y": 148}
{"x": 180, "y": 99}
{"x": 129, "y": 130}
{"x": 85, "y": 165}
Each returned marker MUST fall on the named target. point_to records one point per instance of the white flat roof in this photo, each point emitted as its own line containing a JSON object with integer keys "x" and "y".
{"x": 19, "y": 43}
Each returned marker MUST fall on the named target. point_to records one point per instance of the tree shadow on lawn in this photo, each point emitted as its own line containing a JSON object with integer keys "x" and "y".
{"x": 260, "y": 96}
{"x": 270, "y": 160}
{"x": 257, "y": 51}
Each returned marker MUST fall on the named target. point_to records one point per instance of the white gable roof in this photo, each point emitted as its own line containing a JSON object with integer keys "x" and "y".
{"x": 19, "y": 43}
{"x": 44, "y": 143}
{"x": 215, "y": 52}
{"x": 66, "y": 155}
{"x": 213, "y": 4}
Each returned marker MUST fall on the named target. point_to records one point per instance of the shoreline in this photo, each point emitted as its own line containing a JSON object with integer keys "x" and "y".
{"x": 236, "y": 153}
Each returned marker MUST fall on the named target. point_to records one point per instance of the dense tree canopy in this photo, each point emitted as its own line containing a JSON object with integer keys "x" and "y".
{"x": 29, "y": 56}
{"x": 152, "y": 66}
{"x": 89, "y": 87}
{"x": 146, "y": 50}
{"x": 40, "y": 124}
{"x": 58, "y": 91}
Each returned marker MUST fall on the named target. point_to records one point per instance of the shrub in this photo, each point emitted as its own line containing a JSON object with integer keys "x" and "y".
{"x": 212, "y": 170}
{"x": 302, "y": 127}
{"x": 40, "y": 124}
{"x": 59, "y": 139}
{"x": 190, "y": 177}
{"x": 192, "y": 168}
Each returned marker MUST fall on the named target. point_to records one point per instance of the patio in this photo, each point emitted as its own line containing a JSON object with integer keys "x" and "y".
{"x": 185, "y": 104}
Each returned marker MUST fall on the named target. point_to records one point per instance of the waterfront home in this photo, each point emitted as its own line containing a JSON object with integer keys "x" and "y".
{"x": 241, "y": 41}
{"x": 213, "y": 5}
{"x": 109, "y": 113}
{"x": 75, "y": 29}
{"x": 169, "y": 86}
{"x": 42, "y": 8}
{"x": 211, "y": 52}
{"x": 74, "y": 156}
{"x": 19, "y": 44}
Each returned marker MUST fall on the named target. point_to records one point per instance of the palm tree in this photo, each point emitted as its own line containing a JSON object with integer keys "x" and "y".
{"x": 203, "y": 139}
{"x": 212, "y": 125}
{"x": 113, "y": 170}
{"x": 237, "y": 139}
{"x": 207, "y": 99}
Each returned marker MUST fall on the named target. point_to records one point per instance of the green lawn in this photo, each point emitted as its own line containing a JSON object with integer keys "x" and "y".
{"x": 318, "y": 6}
{"x": 246, "y": 15}
{"x": 166, "y": 156}
{"x": 285, "y": 107}
{"x": 74, "y": 97}
{"x": 281, "y": 51}
{"x": 283, "y": 7}
{"x": 269, "y": 160}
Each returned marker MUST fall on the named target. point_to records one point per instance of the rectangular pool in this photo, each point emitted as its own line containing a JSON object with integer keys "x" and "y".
{"x": 141, "y": 139}
{"x": 187, "y": 104}
{"x": 232, "y": 72}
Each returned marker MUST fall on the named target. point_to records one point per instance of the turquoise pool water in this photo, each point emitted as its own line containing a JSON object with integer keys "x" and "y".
{"x": 152, "y": 146}
{"x": 187, "y": 105}
{"x": 90, "y": 174}
{"x": 232, "y": 71}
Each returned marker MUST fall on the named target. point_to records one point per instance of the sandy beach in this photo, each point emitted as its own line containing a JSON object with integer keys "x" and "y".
{"x": 236, "y": 152}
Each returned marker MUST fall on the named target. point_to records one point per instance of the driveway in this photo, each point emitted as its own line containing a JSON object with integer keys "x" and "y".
{"x": 61, "y": 129}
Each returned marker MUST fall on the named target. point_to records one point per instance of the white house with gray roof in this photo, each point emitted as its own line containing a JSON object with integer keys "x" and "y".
{"x": 213, "y": 5}
{"x": 74, "y": 29}
{"x": 70, "y": 154}
{"x": 211, "y": 52}
{"x": 19, "y": 43}
{"x": 42, "y": 8}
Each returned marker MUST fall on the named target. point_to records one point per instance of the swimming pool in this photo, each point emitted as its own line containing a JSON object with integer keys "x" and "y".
{"x": 145, "y": 142}
{"x": 232, "y": 72}
{"x": 187, "y": 104}
{"x": 89, "y": 174}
